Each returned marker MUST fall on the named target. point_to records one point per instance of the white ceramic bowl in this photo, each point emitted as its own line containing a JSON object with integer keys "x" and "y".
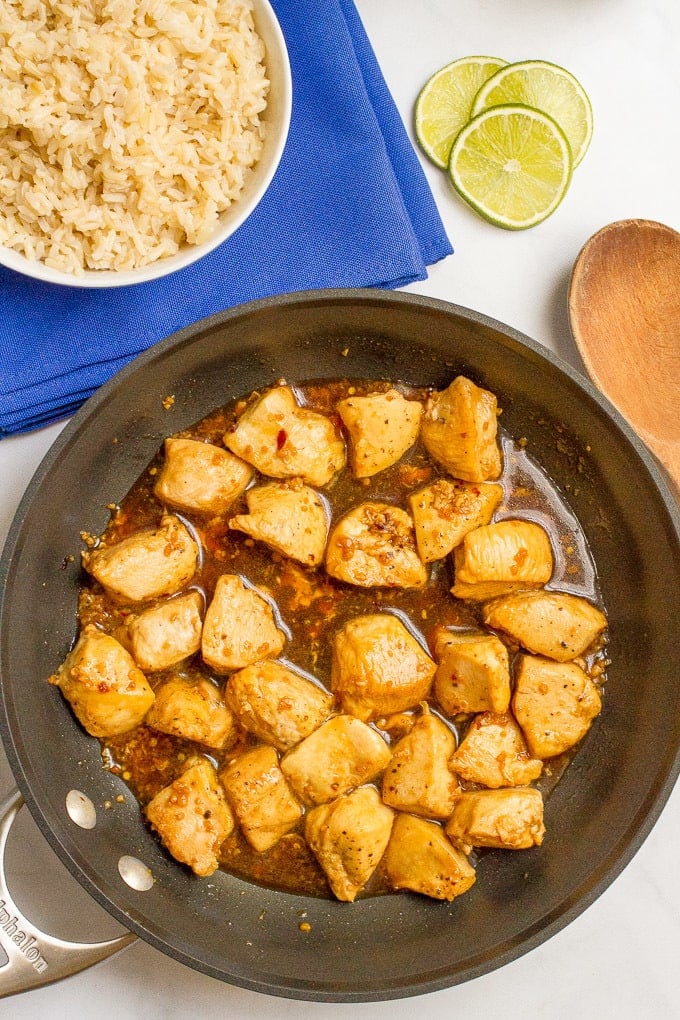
{"x": 277, "y": 121}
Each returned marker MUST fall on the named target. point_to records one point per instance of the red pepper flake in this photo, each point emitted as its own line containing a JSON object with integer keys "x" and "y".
{"x": 520, "y": 559}
{"x": 281, "y": 438}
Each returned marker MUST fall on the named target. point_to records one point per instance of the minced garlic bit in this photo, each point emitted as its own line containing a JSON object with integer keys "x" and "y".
{"x": 168, "y": 402}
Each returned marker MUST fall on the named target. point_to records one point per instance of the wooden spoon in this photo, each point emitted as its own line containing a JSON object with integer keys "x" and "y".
{"x": 624, "y": 305}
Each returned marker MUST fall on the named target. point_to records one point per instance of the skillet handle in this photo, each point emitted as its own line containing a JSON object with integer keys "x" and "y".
{"x": 29, "y": 957}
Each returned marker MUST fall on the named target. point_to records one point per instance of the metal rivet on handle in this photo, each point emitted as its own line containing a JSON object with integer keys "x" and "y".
{"x": 80, "y": 809}
{"x": 134, "y": 873}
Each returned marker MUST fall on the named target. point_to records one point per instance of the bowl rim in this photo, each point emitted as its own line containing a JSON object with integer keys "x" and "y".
{"x": 269, "y": 28}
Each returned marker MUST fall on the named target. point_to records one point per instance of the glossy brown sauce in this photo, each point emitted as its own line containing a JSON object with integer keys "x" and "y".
{"x": 312, "y": 606}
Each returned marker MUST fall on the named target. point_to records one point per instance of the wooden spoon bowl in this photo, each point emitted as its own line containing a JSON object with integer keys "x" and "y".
{"x": 624, "y": 306}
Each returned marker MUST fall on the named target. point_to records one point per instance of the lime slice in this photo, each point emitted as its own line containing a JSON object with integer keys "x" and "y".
{"x": 512, "y": 164}
{"x": 546, "y": 87}
{"x": 444, "y": 104}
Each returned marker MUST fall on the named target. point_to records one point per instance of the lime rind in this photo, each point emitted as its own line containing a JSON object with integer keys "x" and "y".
{"x": 512, "y": 164}
{"x": 444, "y": 103}
{"x": 547, "y": 87}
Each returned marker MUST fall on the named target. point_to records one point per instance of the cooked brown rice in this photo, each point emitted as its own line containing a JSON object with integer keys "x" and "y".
{"x": 126, "y": 126}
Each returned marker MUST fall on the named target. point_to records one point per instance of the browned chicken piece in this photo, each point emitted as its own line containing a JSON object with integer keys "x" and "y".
{"x": 148, "y": 564}
{"x": 446, "y": 510}
{"x": 473, "y": 674}
{"x": 283, "y": 440}
{"x": 554, "y": 703}
{"x": 378, "y": 667}
{"x": 348, "y": 838}
{"x": 381, "y": 427}
{"x": 502, "y": 557}
{"x": 276, "y": 704}
{"x": 260, "y": 797}
{"x": 503, "y": 819}
{"x": 373, "y": 546}
{"x": 418, "y": 778}
{"x": 108, "y": 692}
{"x": 289, "y": 517}
{"x": 239, "y": 627}
{"x": 419, "y": 857}
{"x": 493, "y": 753}
{"x": 556, "y": 624}
{"x": 192, "y": 817}
{"x": 459, "y": 430}
{"x": 193, "y": 709}
{"x": 344, "y": 752}
{"x": 200, "y": 477}
{"x": 170, "y": 632}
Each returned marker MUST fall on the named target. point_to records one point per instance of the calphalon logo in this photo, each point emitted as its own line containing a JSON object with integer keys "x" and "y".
{"x": 26, "y": 943}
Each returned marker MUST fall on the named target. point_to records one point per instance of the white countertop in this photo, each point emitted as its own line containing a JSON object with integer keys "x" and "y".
{"x": 620, "y": 958}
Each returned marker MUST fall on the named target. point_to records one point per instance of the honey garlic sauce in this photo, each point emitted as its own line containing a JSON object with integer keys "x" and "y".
{"x": 312, "y": 606}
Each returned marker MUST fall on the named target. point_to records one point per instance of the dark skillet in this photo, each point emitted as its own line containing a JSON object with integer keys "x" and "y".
{"x": 598, "y": 815}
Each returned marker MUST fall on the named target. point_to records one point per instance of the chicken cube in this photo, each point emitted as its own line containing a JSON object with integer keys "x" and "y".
{"x": 166, "y": 634}
{"x": 289, "y": 517}
{"x": 418, "y": 778}
{"x": 382, "y": 427}
{"x": 493, "y": 753}
{"x": 342, "y": 753}
{"x": 446, "y": 510}
{"x": 150, "y": 563}
{"x": 108, "y": 692}
{"x": 192, "y": 817}
{"x": 200, "y": 477}
{"x": 554, "y": 703}
{"x": 473, "y": 673}
{"x": 348, "y": 838}
{"x": 419, "y": 857}
{"x": 459, "y": 430}
{"x": 260, "y": 797}
{"x": 502, "y": 819}
{"x": 276, "y": 704}
{"x": 239, "y": 627}
{"x": 193, "y": 709}
{"x": 374, "y": 546}
{"x": 283, "y": 440}
{"x": 558, "y": 625}
{"x": 499, "y": 558}
{"x": 378, "y": 667}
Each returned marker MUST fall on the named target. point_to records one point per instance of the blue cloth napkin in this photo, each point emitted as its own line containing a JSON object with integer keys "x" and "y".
{"x": 349, "y": 207}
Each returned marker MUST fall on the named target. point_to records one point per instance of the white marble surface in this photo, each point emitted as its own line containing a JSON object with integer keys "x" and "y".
{"x": 620, "y": 958}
